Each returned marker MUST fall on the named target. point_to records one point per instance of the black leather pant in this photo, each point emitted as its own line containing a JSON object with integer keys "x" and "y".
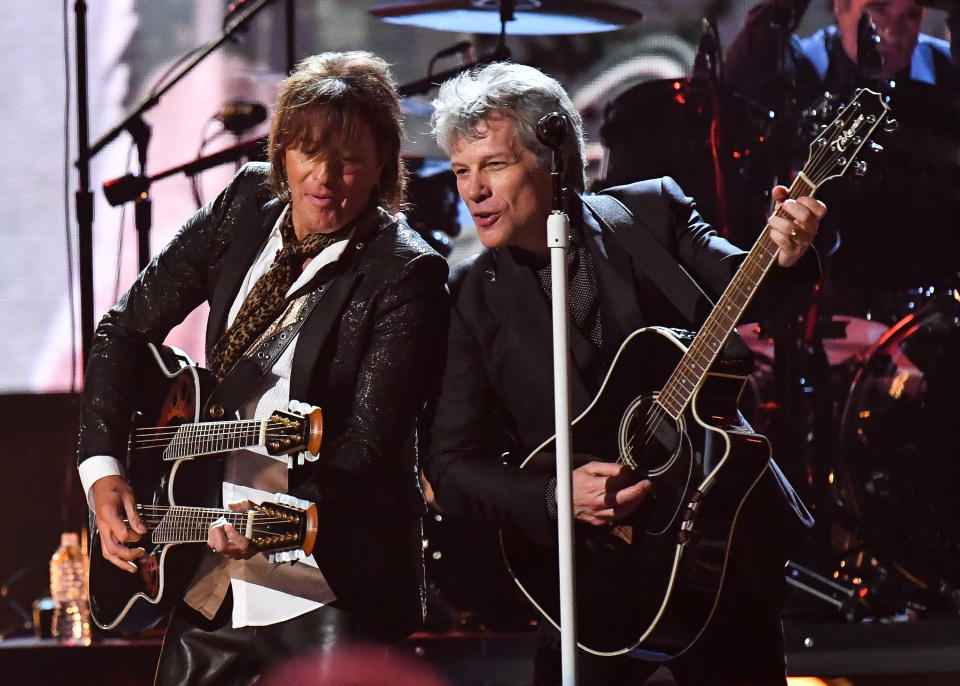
{"x": 201, "y": 652}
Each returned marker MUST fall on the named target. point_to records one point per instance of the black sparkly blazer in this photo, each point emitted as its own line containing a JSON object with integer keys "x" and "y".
{"x": 370, "y": 355}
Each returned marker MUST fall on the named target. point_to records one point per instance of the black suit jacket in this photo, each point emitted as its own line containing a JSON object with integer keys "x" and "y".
{"x": 497, "y": 389}
{"x": 369, "y": 354}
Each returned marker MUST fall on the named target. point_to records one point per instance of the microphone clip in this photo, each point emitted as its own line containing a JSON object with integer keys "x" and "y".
{"x": 552, "y": 130}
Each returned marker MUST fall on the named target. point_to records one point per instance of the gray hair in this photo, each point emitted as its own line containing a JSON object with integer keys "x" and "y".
{"x": 517, "y": 91}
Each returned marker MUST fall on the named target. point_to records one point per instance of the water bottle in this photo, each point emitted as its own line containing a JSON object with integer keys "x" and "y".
{"x": 68, "y": 588}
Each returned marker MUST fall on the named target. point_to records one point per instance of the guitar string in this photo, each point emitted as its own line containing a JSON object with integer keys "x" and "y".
{"x": 194, "y": 437}
{"x": 158, "y": 514}
{"x": 261, "y": 529}
{"x": 182, "y": 511}
{"x": 154, "y": 523}
{"x": 158, "y": 438}
{"x": 162, "y": 442}
{"x": 240, "y": 425}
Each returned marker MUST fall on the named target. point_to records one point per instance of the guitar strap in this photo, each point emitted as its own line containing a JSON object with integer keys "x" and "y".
{"x": 651, "y": 257}
{"x": 262, "y": 354}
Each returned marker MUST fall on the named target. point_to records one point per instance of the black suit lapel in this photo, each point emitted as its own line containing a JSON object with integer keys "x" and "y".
{"x": 245, "y": 245}
{"x": 336, "y": 286}
{"x": 336, "y": 282}
{"x": 528, "y": 329}
{"x": 619, "y": 305}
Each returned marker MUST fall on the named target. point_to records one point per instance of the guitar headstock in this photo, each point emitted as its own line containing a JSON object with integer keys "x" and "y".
{"x": 292, "y": 432}
{"x": 835, "y": 150}
{"x": 278, "y": 527}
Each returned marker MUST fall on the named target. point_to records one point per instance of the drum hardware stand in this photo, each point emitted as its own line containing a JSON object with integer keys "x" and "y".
{"x": 839, "y": 596}
{"x": 857, "y": 592}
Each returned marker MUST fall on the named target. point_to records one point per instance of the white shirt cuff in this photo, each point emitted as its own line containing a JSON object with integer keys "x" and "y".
{"x": 94, "y": 468}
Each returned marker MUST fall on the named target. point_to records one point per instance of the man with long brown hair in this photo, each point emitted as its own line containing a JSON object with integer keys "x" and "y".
{"x": 312, "y": 232}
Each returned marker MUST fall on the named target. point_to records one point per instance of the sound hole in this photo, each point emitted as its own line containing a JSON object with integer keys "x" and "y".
{"x": 657, "y": 447}
{"x": 649, "y": 438}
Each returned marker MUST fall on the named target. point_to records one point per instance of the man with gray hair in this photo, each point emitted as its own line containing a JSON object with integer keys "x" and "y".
{"x": 496, "y": 395}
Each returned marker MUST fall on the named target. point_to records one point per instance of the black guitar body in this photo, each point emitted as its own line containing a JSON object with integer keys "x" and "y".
{"x": 649, "y": 585}
{"x": 173, "y": 394}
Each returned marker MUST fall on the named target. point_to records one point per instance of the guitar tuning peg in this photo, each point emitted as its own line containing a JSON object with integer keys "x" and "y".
{"x": 875, "y": 147}
{"x": 890, "y": 124}
{"x": 860, "y": 168}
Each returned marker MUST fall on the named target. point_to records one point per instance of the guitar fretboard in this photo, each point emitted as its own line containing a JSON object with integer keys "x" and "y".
{"x": 208, "y": 438}
{"x": 179, "y": 524}
{"x": 686, "y": 378}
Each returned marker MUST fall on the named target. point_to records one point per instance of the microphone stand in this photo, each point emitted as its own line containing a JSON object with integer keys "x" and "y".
{"x": 143, "y": 205}
{"x": 120, "y": 190}
{"x": 87, "y": 151}
{"x": 552, "y": 134}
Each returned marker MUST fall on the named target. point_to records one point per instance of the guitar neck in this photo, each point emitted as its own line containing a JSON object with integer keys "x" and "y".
{"x": 178, "y": 524}
{"x": 202, "y": 438}
{"x": 686, "y": 378}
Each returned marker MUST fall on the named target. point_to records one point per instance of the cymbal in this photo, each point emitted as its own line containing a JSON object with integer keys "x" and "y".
{"x": 529, "y": 17}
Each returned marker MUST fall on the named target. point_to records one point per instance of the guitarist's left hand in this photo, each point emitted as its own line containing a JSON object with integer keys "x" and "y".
{"x": 794, "y": 232}
{"x": 229, "y": 542}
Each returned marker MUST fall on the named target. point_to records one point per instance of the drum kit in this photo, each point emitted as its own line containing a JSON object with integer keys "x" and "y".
{"x": 857, "y": 394}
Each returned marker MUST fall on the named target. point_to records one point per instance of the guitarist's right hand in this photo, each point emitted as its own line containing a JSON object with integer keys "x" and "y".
{"x": 604, "y": 492}
{"x": 117, "y": 521}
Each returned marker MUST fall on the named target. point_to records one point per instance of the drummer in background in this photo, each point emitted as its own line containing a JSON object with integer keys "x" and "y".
{"x": 828, "y": 60}
{"x": 886, "y": 237}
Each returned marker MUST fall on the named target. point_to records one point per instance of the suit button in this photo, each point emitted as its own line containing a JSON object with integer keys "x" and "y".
{"x": 217, "y": 411}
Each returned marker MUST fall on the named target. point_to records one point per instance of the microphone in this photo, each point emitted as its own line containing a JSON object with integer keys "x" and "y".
{"x": 552, "y": 130}
{"x": 869, "y": 59}
{"x": 240, "y": 115}
{"x": 708, "y": 63}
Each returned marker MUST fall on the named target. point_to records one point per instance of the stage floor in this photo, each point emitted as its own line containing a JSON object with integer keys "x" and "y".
{"x": 923, "y": 653}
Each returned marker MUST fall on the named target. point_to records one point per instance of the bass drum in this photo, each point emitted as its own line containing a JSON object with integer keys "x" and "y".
{"x": 899, "y": 457}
